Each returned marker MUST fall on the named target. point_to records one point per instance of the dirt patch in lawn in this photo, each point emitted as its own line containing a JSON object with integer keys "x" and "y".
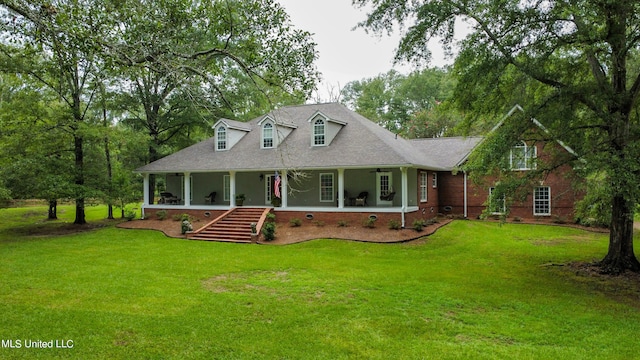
{"x": 56, "y": 228}
{"x": 624, "y": 287}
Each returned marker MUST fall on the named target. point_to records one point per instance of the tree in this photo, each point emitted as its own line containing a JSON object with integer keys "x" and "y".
{"x": 207, "y": 60}
{"x": 567, "y": 62}
{"x": 50, "y": 43}
{"x": 176, "y": 57}
{"x": 406, "y": 104}
{"x": 35, "y": 157}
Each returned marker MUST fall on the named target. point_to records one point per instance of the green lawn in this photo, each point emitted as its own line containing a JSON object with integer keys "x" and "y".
{"x": 473, "y": 290}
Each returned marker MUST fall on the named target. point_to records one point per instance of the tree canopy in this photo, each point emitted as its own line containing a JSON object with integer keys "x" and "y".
{"x": 571, "y": 64}
{"x": 411, "y": 105}
{"x": 167, "y": 68}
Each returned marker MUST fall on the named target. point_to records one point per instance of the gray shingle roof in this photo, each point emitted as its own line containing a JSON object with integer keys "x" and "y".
{"x": 360, "y": 143}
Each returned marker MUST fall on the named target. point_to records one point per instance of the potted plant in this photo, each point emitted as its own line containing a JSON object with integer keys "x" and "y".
{"x": 240, "y": 199}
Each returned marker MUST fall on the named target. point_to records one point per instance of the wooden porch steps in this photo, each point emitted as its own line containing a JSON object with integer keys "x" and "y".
{"x": 232, "y": 226}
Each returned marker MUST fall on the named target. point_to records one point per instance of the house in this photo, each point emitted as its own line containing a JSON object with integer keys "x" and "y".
{"x": 322, "y": 162}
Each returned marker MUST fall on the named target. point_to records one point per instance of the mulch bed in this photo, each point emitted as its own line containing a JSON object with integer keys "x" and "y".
{"x": 286, "y": 234}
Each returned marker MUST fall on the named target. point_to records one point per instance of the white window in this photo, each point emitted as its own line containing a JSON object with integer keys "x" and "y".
{"x": 434, "y": 180}
{"x": 319, "y": 132}
{"x": 326, "y": 187}
{"x": 523, "y": 157}
{"x": 542, "y": 201}
{"x": 226, "y": 186}
{"x": 221, "y": 138}
{"x": 423, "y": 186}
{"x": 267, "y": 136}
{"x": 497, "y": 204}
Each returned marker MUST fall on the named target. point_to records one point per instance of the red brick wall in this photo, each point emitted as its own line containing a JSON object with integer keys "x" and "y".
{"x": 561, "y": 181}
{"x": 353, "y": 219}
{"x": 198, "y": 215}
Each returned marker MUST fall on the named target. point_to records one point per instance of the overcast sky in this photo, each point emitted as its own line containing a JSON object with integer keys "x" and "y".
{"x": 344, "y": 54}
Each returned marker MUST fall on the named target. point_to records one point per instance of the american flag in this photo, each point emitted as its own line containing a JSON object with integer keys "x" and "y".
{"x": 276, "y": 186}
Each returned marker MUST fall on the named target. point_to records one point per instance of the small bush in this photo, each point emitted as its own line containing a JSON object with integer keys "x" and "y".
{"x": 394, "y": 224}
{"x": 269, "y": 231}
{"x": 369, "y": 223}
{"x": 295, "y": 222}
{"x": 318, "y": 223}
{"x": 343, "y": 223}
{"x": 161, "y": 215}
{"x": 419, "y": 224}
{"x": 129, "y": 214}
{"x": 271, "y": 217}
{"x": 181, "y": 217}
{"x": 186, "y": 227}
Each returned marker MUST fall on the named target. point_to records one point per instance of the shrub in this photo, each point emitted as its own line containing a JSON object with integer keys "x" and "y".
{"x": 186, "y": 226}
{"x": 419, "y": 224}
{"x": 343, "y": 223}
{"x": 181, "y": 217}
{"x": 369, "y": 223}
{"x": 269, "y": 231}
{"x": 319, "y": 223}
{"x": 129, "y": 214}
{"x": 295, "y": 222}
{"x": 394, "y": 224}
{"x": 271, "y": 217}
{"x": 161, "y": 215}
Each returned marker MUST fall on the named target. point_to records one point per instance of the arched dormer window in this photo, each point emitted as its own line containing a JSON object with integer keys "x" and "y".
{"x": 221, "y": 138}
{"x": 267, "y": 135}
{"x": 319, "y": 128}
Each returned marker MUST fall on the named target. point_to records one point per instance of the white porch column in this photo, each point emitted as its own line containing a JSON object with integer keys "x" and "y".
{"x": 145, "y": 184}
{"x": 340, "y": 188}
{"x": 405, "y": 192}
{"x": 232, "y": 188}
{"x": 284, "y": 191}
{"x": 187, "y": 189}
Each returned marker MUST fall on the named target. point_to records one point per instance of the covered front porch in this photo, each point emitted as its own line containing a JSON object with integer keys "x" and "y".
{"x": 383, "y": 190}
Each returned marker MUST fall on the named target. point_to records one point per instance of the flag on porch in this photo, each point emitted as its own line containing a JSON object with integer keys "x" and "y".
{"x": 276, "y": 186}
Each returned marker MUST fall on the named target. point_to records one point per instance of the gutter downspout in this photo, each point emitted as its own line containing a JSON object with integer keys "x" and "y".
{"x": 465, "y": 195}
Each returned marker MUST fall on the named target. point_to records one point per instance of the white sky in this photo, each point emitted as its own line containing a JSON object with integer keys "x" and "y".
{"x": 344, "y": 54}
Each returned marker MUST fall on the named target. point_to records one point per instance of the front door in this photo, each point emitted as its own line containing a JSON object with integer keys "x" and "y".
{"x": 268, "y": 188}
{"x": 384, "y": 185}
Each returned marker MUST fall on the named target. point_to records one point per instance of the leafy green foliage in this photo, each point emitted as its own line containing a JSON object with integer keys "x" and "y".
{"x": 571, "y": 65}
{"x": 411, "y": 105}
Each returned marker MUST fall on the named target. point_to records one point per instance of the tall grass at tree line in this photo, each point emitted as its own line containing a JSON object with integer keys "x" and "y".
{"x": 473, "y": 290}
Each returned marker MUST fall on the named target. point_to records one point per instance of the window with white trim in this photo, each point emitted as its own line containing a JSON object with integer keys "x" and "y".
{"x": 434, "y": 180}
{"x": 497, "y": 204}
{"x": 226, "y": 186}
{"x": 523, "y": 157}
{"x": 267, "y": 135}
{"x": 221, "y": 138}
{"x": 542, "y": 201}
{"x": 326, "y": 187}
{"x": 319, "y": 128}
{"x": 423, "y": 186}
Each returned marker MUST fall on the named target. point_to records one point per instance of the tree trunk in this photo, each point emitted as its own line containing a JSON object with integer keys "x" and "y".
{"x": 621, "y": 256}
{"x": 53, "y": 210}
{"x": 107, "y": 154}
{"x": 79, "y": 153}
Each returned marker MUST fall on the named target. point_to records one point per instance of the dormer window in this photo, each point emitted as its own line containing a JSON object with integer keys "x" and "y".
{"x": 523, "y": 157}
{"x": 221, "y": 138}
{"x": 319, "y": 132}
{"x": 267, "y": 135}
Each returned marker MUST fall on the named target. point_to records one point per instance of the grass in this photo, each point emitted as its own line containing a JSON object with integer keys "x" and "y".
{"x": 473, "y": 290}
